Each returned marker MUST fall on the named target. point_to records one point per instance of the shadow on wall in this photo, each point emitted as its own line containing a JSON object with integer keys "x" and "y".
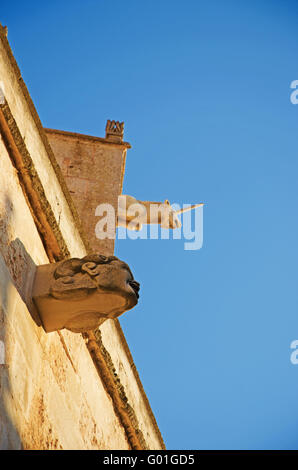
{"x": 16, "y": 269}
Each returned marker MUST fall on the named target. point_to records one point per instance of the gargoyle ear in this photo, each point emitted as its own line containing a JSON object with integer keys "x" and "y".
{"x": 91, "y": 268}
{"x": 167, "y": 202}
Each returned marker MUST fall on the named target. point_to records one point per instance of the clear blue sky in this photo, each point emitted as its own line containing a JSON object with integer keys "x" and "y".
{"x": 204, "y": 90}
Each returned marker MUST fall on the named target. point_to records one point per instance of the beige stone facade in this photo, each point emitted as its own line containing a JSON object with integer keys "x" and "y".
{"x": 59, "y": 390}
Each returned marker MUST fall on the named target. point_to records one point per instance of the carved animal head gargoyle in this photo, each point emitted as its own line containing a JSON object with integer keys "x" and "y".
{"x": 79, "y": 294}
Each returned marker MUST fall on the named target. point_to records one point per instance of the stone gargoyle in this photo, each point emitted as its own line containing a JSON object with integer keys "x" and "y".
{"x": 79, "y": 294}
{"x": 133, "y": 213}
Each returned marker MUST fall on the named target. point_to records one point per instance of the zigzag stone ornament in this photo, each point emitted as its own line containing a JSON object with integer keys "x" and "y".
{"x": 80, "y": 294}
{"x": 114, "y": 131}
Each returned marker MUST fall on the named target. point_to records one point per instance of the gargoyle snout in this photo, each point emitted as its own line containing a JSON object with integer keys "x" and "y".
{"x": 135, "y": 286}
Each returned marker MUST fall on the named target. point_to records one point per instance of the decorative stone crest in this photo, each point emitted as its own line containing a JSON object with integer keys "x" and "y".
{"x": 114, "y": 130}
{"x": 80, "y": 294}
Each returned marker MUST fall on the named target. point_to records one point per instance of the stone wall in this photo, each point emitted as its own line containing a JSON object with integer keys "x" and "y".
{"x": 93, "y": 169}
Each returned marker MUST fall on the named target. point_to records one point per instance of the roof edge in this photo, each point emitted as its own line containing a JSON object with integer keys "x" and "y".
{"x": 87, "y": 137}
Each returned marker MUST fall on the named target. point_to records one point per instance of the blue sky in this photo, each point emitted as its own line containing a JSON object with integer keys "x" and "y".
{"x": 204, "y": 90}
